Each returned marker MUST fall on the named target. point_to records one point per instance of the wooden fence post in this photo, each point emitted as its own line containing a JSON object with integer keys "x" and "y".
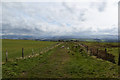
{"x": 97, "y": 50}
{"x": 119, "y": 58}
{"x": 39, "y": 50}
{"x": 106, "y": 56}
{"x": 105, "y": 50}
{"x": 119, "y": 54}
{"x": 32, "y": 51}
{"x": 98, "y": 53}
{"x": 22, "y": 52}
{"x": 6, "y": 55}
{"x": 87, "y": 48}
{"x": 90, "y": 52}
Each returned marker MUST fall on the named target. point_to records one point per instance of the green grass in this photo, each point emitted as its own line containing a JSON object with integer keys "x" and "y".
{"x": 88, "y": 67}
{"x": 29, "y": 67}
{"x": 60, "y": 62}
{"x": 82, "y": 65}
{"x": 103, "y": 45}
{"x": 14, "y": 47}
{"x": 115, "y": 52}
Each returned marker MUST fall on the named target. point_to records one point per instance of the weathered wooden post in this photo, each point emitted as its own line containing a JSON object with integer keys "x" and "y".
{"x": 105, "y": 50}
{"x": 97, "y": 51}
{"x": 32, "y": 51}
{"x": 6, "y": 55}
{"x": 90, "y": 52}
{"x": 119, "y": 58}
{"x": 22, "y": 52}
{"x": 106, "y": 56}
{"x": 39, "y": 50}
{"x": 87, "y": 48}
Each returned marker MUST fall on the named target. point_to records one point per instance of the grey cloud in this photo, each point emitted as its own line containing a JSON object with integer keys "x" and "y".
{"x": 102, "y": 6}
{"x": 45, "y": 20}
{"x": 8, "y": 28}
{"x": 99, "y": 5}
{"x": 82, "y": 16}
{"x": 67, "y": 7}
{"x": 113, "y": 30}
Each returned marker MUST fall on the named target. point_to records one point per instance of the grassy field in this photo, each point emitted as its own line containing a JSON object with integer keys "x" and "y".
{"x": 14, "y": 47}
{"x": 62, "y": 61}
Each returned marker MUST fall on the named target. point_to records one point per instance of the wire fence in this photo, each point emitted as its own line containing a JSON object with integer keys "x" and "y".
{"x": 33, "y": 52}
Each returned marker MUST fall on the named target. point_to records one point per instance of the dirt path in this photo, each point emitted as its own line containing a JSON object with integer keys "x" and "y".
{"x": 53, "y": 66}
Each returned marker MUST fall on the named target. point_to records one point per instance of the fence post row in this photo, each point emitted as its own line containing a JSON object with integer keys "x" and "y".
{"x": 6, "y": 55}
{"x": 105, "y": 52}
{"x": 22, "y": 52}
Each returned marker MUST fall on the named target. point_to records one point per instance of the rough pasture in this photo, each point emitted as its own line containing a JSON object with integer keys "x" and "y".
{"x": 66, "y": 60}
{"x": 14, "y": 47}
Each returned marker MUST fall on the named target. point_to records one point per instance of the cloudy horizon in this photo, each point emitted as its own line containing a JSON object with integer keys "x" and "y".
{"x": 60, "y": 18}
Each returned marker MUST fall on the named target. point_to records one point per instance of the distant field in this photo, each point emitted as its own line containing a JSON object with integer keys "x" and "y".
{"x": 14, "y": 47}
{"x": 67, "y": 60}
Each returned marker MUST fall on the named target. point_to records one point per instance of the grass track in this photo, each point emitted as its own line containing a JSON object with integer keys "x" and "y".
{"x": 58, "y": 63}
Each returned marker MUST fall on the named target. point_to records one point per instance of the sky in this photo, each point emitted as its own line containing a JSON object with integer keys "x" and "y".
{"x": 62, "y": 18}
